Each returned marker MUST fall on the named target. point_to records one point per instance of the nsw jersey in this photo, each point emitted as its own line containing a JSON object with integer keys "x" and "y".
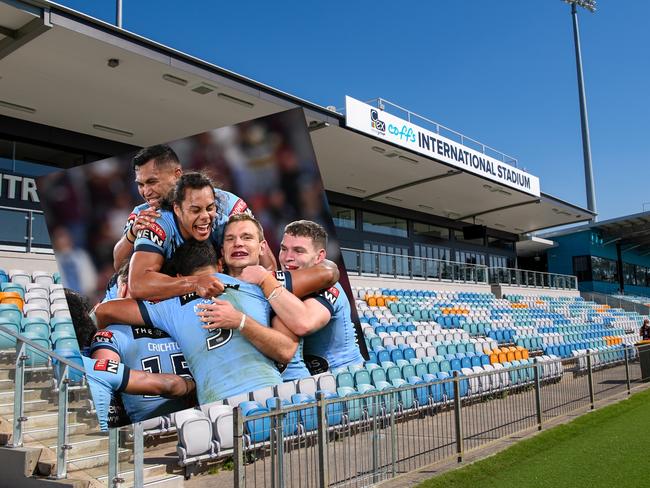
{"x": 336, "y": 343}
{"x": 105, "y": 377}
{"x": 296, "y": 369}
{"x": 223, "y": 362}
{"x": 163, "y": 236}
{"x": 147, "y": 349}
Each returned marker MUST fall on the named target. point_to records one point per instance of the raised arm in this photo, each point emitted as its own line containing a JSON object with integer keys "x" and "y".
{"x": 146, "y": 282}
{"x": 277, "y": 343}
{"x": 124, "y": 247}
{"x": 119, "y": 311}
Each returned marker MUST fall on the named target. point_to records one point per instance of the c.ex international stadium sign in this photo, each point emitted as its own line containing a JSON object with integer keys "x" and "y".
{"x": 370, "y": 120}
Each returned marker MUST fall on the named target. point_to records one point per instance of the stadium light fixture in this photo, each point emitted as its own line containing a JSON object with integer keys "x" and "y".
{"x": 586, "y": 144}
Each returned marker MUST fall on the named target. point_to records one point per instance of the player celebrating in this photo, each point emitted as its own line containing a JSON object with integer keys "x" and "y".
{"x": 106, "y": 377}
{"x": 157, "y": 169}
{"x": 329, "y": 338}
{"x": 143, "y": 348}
{"x": 229, "y": 356}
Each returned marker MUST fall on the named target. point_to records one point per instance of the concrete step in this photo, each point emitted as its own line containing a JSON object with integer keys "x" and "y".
{"x": 31, "y": 381}
{"x": 152, "y": 473}
{"x": 85, "y": 462}
{"x": 29, "y": 394}
{"x": 29, "y": 406}
{"x": 45, "y": 434}
{"x": 49, "y": 418}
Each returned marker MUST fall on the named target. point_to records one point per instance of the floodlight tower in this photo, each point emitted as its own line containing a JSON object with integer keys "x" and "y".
{"x": 586, "y": 145}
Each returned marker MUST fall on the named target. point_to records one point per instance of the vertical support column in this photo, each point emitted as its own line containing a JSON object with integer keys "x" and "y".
{"x": 590, "y": 379}
{"x": 62, "y": 422}
{"x": 238, "y": 446}
{"x": 113, "y": 463}
{"x": 393, "y": 436}
{"x": 19, "y": 394}
{"x": 538, "y": 394}
{"x": 627, "y": 370}
{"x": 375, "y": 439}
{"x": 138, "y": 455}
{"x": 279, "y": 442}
{"x": 321, "y": 412}
{"x": 458, "y": 423}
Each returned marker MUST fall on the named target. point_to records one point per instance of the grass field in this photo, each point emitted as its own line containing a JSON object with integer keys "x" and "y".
{"x": 609, "y": 447}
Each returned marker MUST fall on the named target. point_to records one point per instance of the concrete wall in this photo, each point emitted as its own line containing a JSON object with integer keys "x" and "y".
{"x": 28, "y": 262}
{"x": 500, "y": 290}
{"x": 374, "y": 282}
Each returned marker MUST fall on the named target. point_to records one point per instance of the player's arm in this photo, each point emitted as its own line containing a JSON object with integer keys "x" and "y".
{"x": 124, "y": 247}
{"x": 168, "y": 385}
{"x": 146, "y": 282}
{"x": 278, "y": 343}
{"x": 119, "y": 311}
{"x": 304, "y": 282}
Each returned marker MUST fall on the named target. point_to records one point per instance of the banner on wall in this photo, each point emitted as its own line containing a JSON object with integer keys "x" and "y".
{"x": 370, "y": 120}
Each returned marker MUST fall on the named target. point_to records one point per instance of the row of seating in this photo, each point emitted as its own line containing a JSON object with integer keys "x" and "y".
{"x": 26, "y": 277}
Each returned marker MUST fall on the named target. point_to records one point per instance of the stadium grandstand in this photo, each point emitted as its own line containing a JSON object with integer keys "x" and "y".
{"x": 477, "y": 326}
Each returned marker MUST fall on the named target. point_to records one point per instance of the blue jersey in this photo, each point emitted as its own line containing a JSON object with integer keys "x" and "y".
{"x": 334, "y": 345}
{"x": 164, "y": 237}
{"x": 147, "y": 349}
{"x": 105, "y": 377}
{"x": 296, "y": 369}
{"x": 223, "y": 362}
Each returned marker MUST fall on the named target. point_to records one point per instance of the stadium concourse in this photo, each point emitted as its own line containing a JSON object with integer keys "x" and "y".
{"x": 419, "y": 340}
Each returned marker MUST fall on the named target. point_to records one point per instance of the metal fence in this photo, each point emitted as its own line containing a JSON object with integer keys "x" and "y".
{"x": 527, "y": 278}
{"x": 67, "y": 373}
{"x": 373, "y": 263}
{"x": 362, "y": 439}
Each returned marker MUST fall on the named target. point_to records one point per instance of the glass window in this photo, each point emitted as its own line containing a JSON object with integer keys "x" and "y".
{"x": 391, "y": 259}
{"x": 603, "y": 269}
{"x": 421, "y": 229}
{"x": 40, "y": 235}
{"x": 458, "y": 235}
{"x": 14, "y": 227}
{"x": 501, "y": 243}
{"x": 343, "y": 217}
{"x": 628, "y": 274}
{"x": 384, "y": 224}
{"x": 432, "y": 262}
{"x": 582, "y": 268}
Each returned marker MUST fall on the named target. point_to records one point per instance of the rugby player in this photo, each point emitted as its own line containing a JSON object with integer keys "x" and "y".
{"x": 145, "y": 348}
{"x": 157, "y": 169}
{"x": 235, "y": 352}
{"x": 106, "y": 376}
{"x": 329, "y": 337}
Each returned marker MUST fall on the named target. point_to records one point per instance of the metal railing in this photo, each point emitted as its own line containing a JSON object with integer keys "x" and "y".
{"x": 617, "y": 302}
{"x": 373, "y": 263}
{"x": 362, "y": 439}
{"x": 63, "y": 381}
{"x": 390, "y": 107}
{"x": 527, "y": 278}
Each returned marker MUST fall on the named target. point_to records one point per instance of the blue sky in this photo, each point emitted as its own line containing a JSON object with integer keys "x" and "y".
{"x": 500, "y": 71}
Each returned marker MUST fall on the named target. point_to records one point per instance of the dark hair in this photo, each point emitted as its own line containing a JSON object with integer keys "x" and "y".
{"x": 161, "y": 154}
{"x": 308, "y": 228}
{"x": 193, "y": 180}
{"x": 193, "y": 255}
{"x": 79, "y": 310}
{"x": 245, "y": 217}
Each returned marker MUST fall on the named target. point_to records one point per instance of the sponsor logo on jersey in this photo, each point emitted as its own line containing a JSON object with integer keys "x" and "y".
{"x": 103, "y": 336}
{"x": 107, "y": 365}
{"x": 154, "y": 233}
{"x": 140, "y": 332}
{"x": 279, "y": 275}
{"x": 239, "y": 207}
{"x": 190, "y": 297}
{"x": 331, "y": 295}
{"x": 316, "y": 364}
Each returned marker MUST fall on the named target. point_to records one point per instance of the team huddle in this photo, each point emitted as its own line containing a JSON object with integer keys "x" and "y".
{"x": 198, "y": 308}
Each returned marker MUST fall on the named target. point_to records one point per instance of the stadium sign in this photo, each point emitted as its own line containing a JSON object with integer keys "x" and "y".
{"x": 18, "y": 191}
{"x": 370, "y": 120}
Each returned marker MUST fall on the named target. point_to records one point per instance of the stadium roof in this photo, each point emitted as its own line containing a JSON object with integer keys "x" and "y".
{"x": 56, "y": 72}
{"x": 632, "y": 231}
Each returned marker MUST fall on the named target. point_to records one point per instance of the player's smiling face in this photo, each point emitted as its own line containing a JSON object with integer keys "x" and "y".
{"x": 299, "y": 252}
{"x": 241, "y": 245}
{"x": 197, "y": 213}
{"x": 156, "y": 181}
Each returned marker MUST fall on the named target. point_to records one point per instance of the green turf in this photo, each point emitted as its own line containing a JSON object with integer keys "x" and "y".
{"x": 609, "y": 447}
